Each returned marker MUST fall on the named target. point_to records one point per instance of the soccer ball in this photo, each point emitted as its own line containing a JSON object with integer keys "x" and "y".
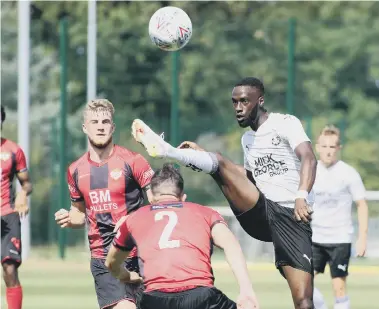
{"x": 170, "y": 28}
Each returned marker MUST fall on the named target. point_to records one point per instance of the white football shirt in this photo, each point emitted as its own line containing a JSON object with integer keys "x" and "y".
{"x": 335, "y": 190}
{"x": 269, "y": 153}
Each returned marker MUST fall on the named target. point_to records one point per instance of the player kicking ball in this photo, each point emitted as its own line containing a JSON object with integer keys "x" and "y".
{"x": 271, "y": 196}
{"x": 174, "y": 240}
{"x": 337, "y": 185}
{"x": 106, "y": 184}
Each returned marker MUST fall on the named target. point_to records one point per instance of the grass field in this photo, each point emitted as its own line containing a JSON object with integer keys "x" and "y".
{"x": 50, "y": 283}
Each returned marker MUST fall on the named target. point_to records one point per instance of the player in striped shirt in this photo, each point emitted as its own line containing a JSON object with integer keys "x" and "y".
{"x": 13, "y": 164}
{"x": 106, "y": 183}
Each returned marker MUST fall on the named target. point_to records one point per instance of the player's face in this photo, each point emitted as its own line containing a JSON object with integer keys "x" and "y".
{"x": 327, "y": 148}
{"x": 99, "y": 127}
{"x": 246, "y": 101}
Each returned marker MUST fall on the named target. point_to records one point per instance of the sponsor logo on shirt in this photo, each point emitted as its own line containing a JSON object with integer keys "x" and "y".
{"x": 4, "y": 156}
{"x": 267, "y": 165}
{"x": 276, "y": 140}
{"x": 116, "y": 173}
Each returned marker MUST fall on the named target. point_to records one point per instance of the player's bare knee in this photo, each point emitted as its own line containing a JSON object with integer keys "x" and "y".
{"x": 304, "y": 303}
{"x": 124, "y": 304}
{"x": 228, "y": 165}
{"x": 10, "y": 275}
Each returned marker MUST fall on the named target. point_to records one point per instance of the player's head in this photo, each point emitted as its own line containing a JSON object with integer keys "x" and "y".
{"x": 167, "y": 183}
{"x": 98, "y": 122}
{"x": 248, "y": 100}
{"x": 2, "y": 116}
{"x": 328, "y": 145}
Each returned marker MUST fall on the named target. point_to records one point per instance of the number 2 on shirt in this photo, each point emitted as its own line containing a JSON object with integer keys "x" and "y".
{"x": 164, "y": 240}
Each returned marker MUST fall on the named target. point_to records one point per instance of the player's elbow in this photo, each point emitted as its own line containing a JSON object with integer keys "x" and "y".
{"x": 27, "y": 187}
{"x": 314, "y": 163}
{"x": 310, "y": 159}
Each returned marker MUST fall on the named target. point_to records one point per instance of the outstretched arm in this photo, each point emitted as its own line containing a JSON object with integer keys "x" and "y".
{"x": 114, "y": 261}
{"x": 224, "y": 238}
{"x": 117, "y": 254}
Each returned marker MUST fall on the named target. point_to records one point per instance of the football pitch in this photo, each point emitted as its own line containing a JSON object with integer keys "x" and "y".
{"x": 52, "y": 283}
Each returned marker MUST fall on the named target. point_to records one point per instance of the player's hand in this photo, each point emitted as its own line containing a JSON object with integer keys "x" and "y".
{"x": 361, "y": 246}
{"x": 62, "y": 217}
{"x": 130, "y": 277}
{"x": 135, "y": 278}
{"x": 21, "y": 204}
{"x": 119, "y": 223}
{"x": 303, "y": 211}
{"x": 190, "y": 145}
{"x": 247, "y": 300}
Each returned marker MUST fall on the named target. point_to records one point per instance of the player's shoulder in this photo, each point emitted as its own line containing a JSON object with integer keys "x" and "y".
{"x": 83, "y": 159}
{"x": 9, "y": 145}
{"x": 139, "y": 213}
{"x": 346, "y": 168}
{"x": 201, "y": 209}
{"x": 246, "y": 137}
{"x": 280, "y": 118}
{"x": 125, "y": 154}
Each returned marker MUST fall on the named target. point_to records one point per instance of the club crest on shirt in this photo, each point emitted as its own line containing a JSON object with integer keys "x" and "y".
{"x": 116, "y": 173}
{"x": 4, "y": 156}
{"x": 276, "y": 140}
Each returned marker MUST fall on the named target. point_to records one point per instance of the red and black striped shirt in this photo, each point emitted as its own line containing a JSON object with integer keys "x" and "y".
{"x": 12, "y": 162}
{"x": 110, "y": 189}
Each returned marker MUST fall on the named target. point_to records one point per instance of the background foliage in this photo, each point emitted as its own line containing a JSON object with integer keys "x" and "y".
{"x": 337, "y": 78}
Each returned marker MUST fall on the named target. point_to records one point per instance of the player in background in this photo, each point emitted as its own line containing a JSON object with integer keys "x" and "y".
{"x": 271, "y": 196}
{"x": 175, "y": 242}
{"x": 13, "y": 163}
{"x": 337, "y": 185}
{"x": 106, "y": 183}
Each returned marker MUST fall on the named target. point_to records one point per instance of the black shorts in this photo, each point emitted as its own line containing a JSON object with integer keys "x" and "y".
{"x": 110, "y": 290}
{"x": 336, "y": 255}
{"x": 268, "y": 221}
{"x": 197, "y": 298}
{"x": 11, "y": 239}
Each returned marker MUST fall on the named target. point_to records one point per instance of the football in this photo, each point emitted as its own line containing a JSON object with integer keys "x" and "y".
{"x": 170, "y": 28}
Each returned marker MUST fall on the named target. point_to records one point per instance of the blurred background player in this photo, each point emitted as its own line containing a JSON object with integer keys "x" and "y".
{"x": 13, "y": 163}
{"x": 337, "y": 185}
{"x": 174, "y": 240}
{"x": 272, "y": 194}
{"x": 106, "y": 183}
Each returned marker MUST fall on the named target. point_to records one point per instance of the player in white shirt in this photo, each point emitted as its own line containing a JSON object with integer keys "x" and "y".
{"x": 336, "y": 186}
{"x": 271, "y": 196}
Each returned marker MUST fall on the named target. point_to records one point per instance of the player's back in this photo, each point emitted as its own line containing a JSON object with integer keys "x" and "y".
{"x": 174, "y": 244}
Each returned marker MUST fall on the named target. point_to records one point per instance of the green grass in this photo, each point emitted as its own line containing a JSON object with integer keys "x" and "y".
{"x": 50, "y": 283}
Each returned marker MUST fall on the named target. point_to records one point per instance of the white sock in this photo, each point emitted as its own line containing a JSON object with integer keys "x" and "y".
{"x": 200, "y": 161}
{"x": 342, "y": 303}
{"x": 318, "y": 299}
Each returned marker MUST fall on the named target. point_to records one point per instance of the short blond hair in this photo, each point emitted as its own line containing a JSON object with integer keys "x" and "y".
{"x": 99, "y": 105}
{"x": 330, "y": 130}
